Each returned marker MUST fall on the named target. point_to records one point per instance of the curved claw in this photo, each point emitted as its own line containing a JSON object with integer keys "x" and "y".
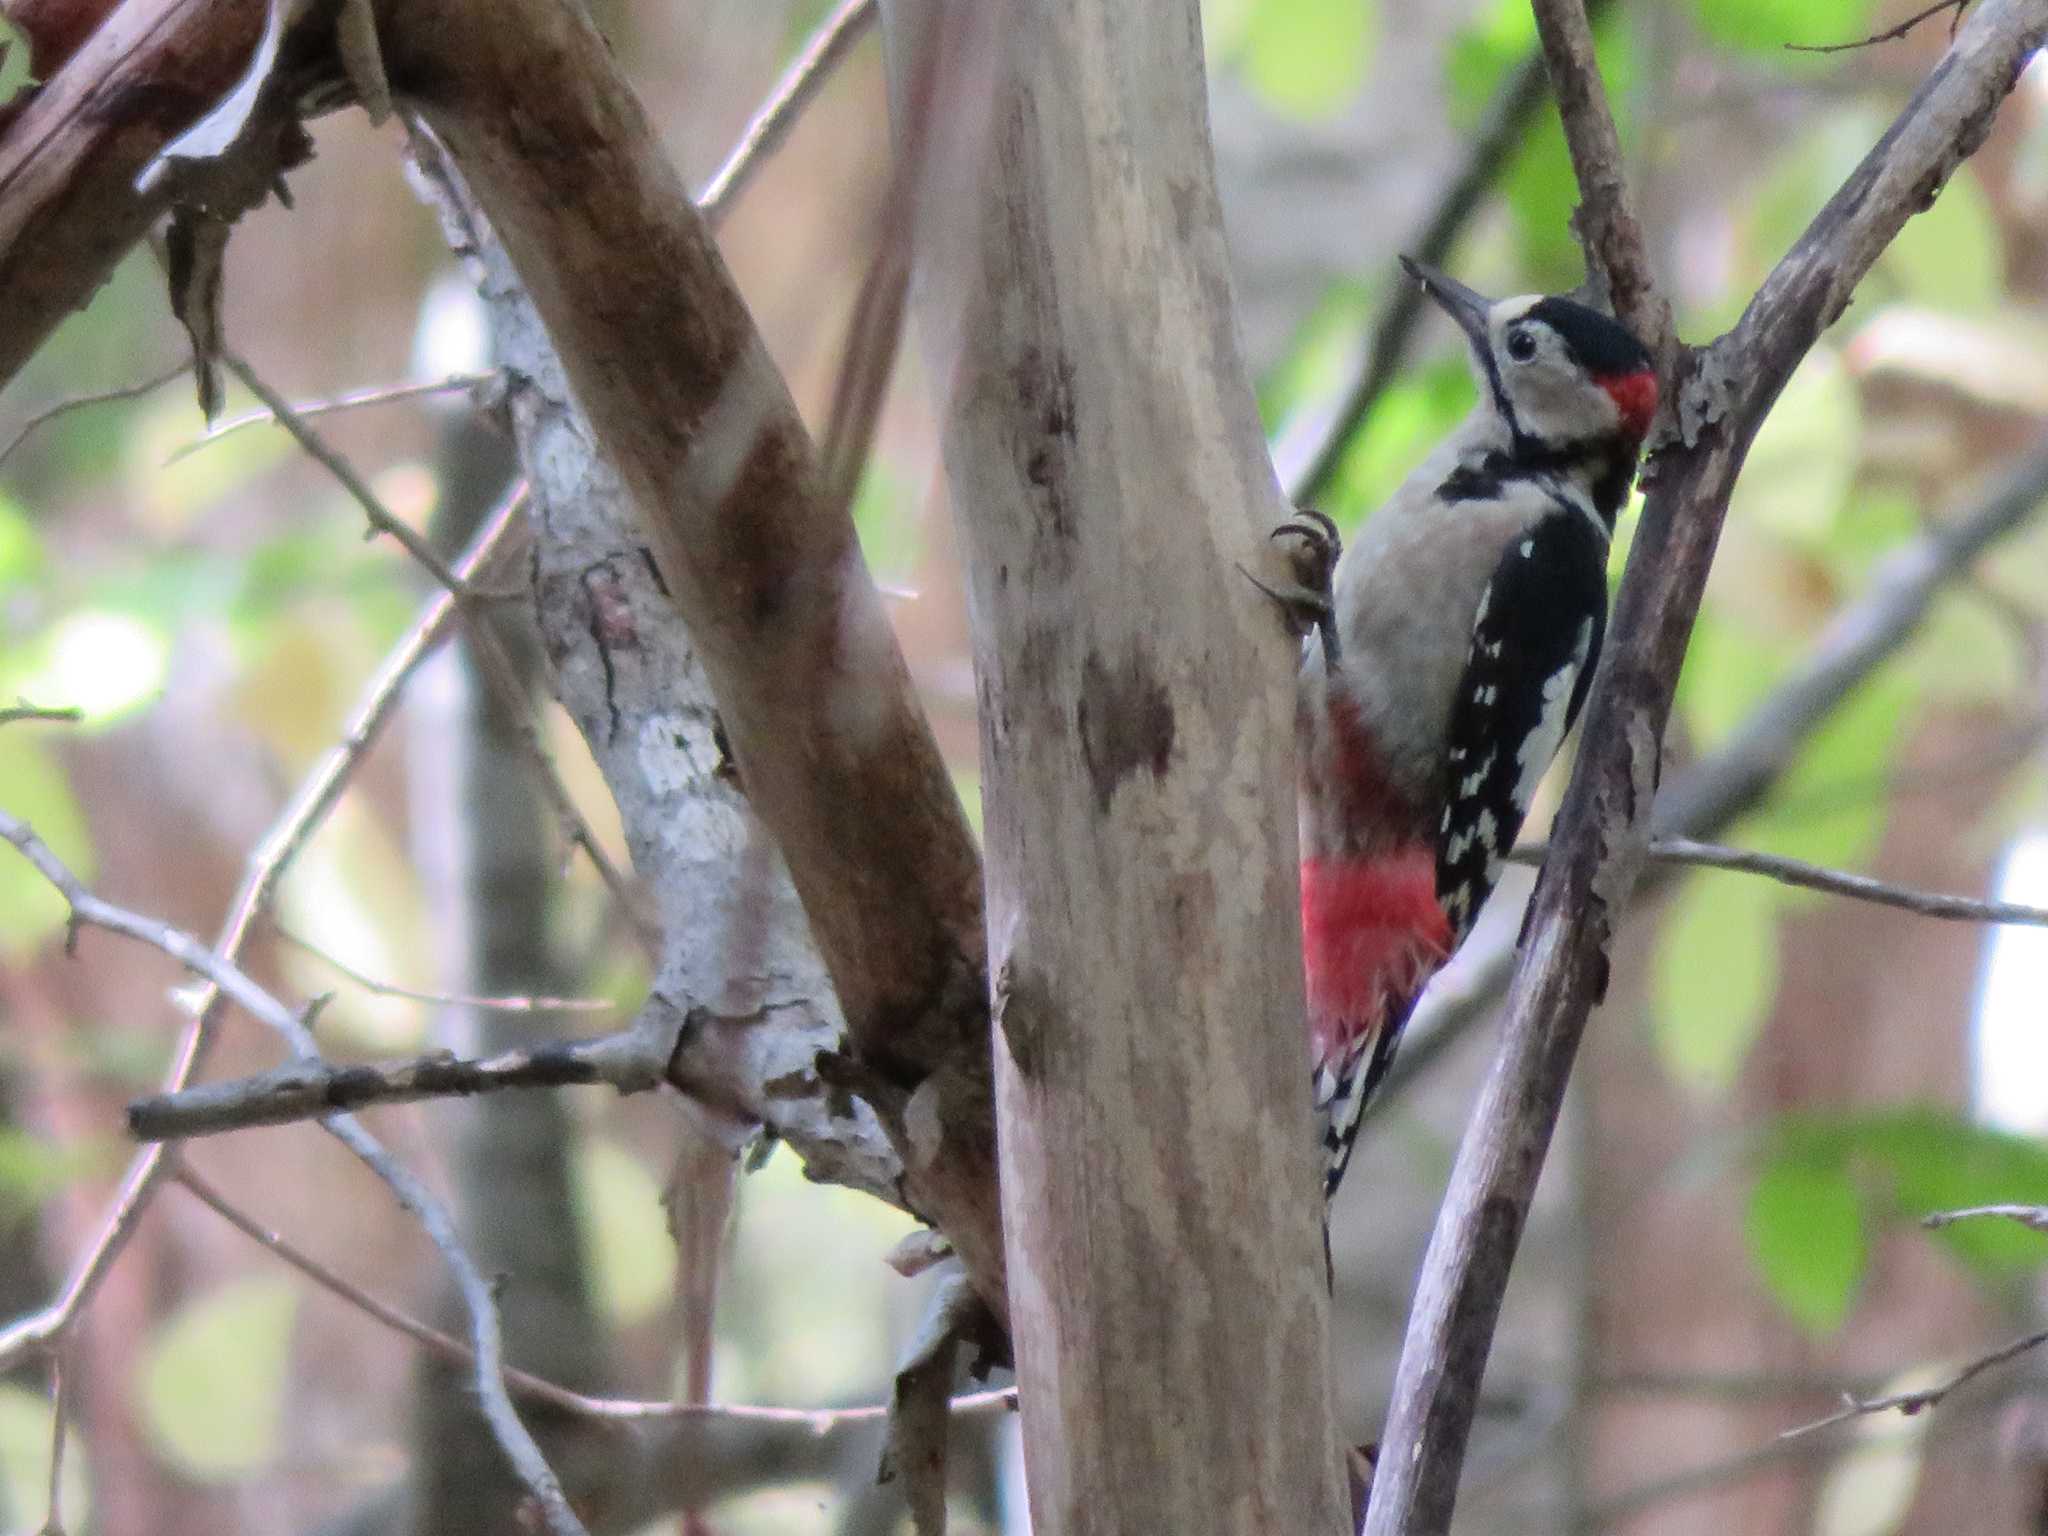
{"x": 1309, "y": 602}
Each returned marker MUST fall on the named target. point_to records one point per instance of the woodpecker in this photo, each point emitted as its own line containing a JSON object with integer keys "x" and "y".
{"x": 1458, "y": 635}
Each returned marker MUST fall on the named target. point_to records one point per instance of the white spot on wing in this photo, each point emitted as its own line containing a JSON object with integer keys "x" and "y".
{"x": 1541, "y": 745}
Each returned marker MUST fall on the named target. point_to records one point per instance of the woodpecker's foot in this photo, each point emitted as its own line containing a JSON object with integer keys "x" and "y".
{"x": 1308, "y": 602}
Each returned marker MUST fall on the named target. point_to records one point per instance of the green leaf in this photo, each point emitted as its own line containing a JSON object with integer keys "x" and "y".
{"x": 212, "y": 1380}
{"x": 33, "y": 788}
{"x": 21, "y": 550}
{"x": 1482, "y": 53}
{"x": 1307, "y": 58}
{"x": 1805, "y": 1231}
{"x": 25, "y": 1423}
{"x": 1715, "y": 974}
{"x": 625, "y": 1232}
{"x": 1969, "y": 652}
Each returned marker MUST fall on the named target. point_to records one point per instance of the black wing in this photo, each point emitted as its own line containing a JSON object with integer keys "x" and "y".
{"x": 1535, "y": 641}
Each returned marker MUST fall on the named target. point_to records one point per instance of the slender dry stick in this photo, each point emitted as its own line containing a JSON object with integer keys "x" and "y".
{"x": 1910, "y": 1403}
{"x": 445, "y": 999}
{"x": 316, "y": 798}
{"x": 493, "y": 662}
{"x": 78, "y": 402}
{"x": 539, "y": 1389}
{"x": 2033, "y": 1216}
{"x": 88, "y": 910}
{"x": 1818, "y": 877}
{"x": 310, "y": 410}
{"x": 60, "y": 1408}
{"x": 69, "y": 715}
{"x": 382, "y": 518}
{"x": 1890, "y": 34}
{"x": 1602, "y": 829}
{"x": 773, "y": 120}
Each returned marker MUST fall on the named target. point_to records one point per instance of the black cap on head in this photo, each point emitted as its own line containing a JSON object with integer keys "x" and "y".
{"x": 1603, "y": 347}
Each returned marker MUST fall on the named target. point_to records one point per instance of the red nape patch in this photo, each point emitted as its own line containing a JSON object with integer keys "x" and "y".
{"x": 1635, "y": 396}
{"x": 1372, "y": 931}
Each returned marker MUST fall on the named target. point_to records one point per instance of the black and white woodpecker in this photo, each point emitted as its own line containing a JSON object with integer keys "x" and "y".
{"x": 1458, "y": 634}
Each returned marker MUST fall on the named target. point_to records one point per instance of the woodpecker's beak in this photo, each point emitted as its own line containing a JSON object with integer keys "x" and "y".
{"x": 1462, "y": 304}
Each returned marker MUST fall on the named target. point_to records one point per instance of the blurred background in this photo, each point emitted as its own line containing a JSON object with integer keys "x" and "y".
{"x": 1779, "y": 1086}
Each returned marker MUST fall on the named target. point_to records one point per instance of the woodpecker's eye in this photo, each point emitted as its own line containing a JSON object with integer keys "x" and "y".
{"x": 1521, "y": 346}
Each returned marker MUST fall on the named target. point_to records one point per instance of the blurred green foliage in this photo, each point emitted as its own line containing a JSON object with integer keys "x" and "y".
{"x": 213, "y": 1378}
{"x": 1304, "y": 59}
{"x": 1825, "y": 1181}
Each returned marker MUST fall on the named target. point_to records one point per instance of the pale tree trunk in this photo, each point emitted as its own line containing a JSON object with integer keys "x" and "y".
{"x": 1109, "y": 474}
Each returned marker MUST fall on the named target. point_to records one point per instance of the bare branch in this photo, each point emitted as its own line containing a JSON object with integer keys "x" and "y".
{"x": 495, "y": 544}
{"x": 629, "y": 1060}
{"x": 60, "y": 1431}
{"x": 772, "y": 122}
{"x": 72, "y": 403}
{"x": 1891, "y": 34}
{"x": 1910, "y": 1403}
{"x": 538, "y": 1389}
{"x": 2032, "y": 1216}
{"x": 23, "y": 710}
{"x": 1817, "y": 877}
{"x": 310, "y": 410}
{"x": 445, "y": 999}
{"x": 1616, "y": 253}
{"x": 232, "y": 982}
{"x": 1601, "y": 831}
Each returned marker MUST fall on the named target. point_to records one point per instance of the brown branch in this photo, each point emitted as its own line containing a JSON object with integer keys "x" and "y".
{"x": 1617, "y": 256}
{"x": 630, "y": 1061}
{"x": 1910, "y": 1403}
{"x": 2031, "y": 1216}
{"x": 1601, "y": 831}
{"x": 1891, "y": 34}
{"x": 1817, "y": 877}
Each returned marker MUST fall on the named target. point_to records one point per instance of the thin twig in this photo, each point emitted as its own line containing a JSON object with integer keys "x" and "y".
{"x": 1616, "y": 252}
{"x": 23, "y": 710}
{"x": 1891, "y": 34}
{"x": 99, "y": 397}
{"x": 60, "y": 1409}
{"x": 496, "y": 666}
{"x": 382, "y": 518}
{"x": 446, "y": 999}
{"x": 1910, "y": 1403}
{"x": 2032, "y": 1216}
{"x": 486, "y": 1336}
{"x": 539, "y": 1389}
{"x": 1818, "y": 877}
{"x": 771, "y": 124}
{"x": 308, "y": 410}
{"x": 317, "y": 796}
